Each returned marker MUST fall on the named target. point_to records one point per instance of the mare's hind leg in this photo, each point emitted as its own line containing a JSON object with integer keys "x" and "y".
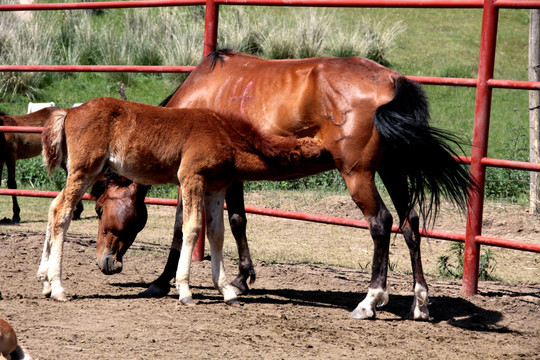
{"x": 364, "y": 193}
{"x": 397, "y": 187}
{"x": 215, "y": 230}
{"x": 238, "y": 222}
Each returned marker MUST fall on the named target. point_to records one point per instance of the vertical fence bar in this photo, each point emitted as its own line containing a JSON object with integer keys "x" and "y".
{"x": 534, "y": 110}
{"x": 210, "y": 44}
{"x": 482, "y": 110}
{"x": 210, "y": 27}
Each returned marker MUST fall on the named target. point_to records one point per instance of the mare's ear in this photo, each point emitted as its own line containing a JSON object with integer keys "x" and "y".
{"x": 98, "y": 188}
{"x": 141, "y": 190}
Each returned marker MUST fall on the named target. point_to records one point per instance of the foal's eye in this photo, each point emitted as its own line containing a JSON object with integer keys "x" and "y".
{"x": 99, "y": 211}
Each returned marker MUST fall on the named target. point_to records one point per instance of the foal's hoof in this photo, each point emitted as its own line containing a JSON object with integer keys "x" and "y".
{"x": 60, "y": 297}
{"x": 418, "y": 315}
{"x": 188, "y": 301}
{"x": 154, "y": 291}
{"x": 362, "y": 314}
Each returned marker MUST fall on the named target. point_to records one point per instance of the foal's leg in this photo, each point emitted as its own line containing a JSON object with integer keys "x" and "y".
{"x": 237, "y": 220}
{"x": 60, "y": 214}
{"x": 215, "y": 230}
{"x": 364, "y": 193}
{"x": 236, "y": 210}
{"x": 192, "y": 199}
{"x": 79, "y": 209}
{"x": 397, "y": 187}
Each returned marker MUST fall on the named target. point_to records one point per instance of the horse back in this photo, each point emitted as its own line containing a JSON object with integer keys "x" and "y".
{"x": 24, "y": 145}
{"x": 287, "y": 97}
{"x": 145, "y": 143}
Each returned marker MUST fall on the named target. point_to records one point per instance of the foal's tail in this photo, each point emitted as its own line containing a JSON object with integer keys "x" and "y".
{"x": 53, "y": 139}
{"x": 425, "y": 153}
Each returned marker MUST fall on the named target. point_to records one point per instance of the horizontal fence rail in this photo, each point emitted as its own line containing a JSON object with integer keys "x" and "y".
{"x": 316, "y": 218}
{"x": 484, "y": 84}
{"x": 447, "y": 4}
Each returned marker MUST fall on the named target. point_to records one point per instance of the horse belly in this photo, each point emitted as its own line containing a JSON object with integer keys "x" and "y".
{"x": 145, "y": 170}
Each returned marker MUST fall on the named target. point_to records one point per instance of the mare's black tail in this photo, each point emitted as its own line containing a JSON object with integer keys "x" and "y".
{"x": 425, "y": 153}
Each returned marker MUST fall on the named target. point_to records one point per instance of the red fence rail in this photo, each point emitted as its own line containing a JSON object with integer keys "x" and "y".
{"x": 484, "y": 84}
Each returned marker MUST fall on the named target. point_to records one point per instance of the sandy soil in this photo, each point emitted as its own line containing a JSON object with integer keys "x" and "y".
{"x": 296, "y": 310}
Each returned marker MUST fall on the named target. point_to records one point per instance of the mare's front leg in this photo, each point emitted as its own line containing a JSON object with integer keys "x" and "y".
{"x": 236, "y": 210}
{"x": 215, "y": 230}
{"x": 60, "y": 215}
{"x": 161, "y": 286}
{"x": 362, "y": 188}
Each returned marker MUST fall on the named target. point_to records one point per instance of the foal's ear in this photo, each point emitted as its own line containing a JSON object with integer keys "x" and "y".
{"x": 294, "y": 157}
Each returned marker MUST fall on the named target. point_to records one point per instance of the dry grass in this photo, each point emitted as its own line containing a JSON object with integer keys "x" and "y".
{"x": 292, "y": 241}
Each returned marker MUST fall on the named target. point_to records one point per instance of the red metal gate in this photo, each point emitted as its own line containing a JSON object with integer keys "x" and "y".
{"x": 484, "y": 83}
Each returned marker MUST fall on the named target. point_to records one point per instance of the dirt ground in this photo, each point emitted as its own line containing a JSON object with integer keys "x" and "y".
{"x": 295, "y": 310}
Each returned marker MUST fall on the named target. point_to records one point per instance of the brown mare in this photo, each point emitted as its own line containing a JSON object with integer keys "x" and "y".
{"x": 370, "y": 118}
{"x": 194, "y": 148}
{"x": 17, "y": 146}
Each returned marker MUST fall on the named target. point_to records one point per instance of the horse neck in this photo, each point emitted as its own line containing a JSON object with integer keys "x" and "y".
{"x": 285, "y": 158}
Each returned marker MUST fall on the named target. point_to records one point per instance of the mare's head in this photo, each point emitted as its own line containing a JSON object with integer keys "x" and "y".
{"x": 121, "y": 216}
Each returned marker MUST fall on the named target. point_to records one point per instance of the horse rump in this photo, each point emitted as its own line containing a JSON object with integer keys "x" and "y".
{"x": 425, "y": 153}
{"x": 53, "y": 140}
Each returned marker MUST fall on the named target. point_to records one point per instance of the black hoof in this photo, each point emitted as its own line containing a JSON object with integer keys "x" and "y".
{"x": 155, "y": 291}
{"x": 233, "y": 302}
{"x": 240, "y": 287}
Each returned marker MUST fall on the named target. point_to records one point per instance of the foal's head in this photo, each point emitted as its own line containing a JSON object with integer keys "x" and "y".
{"x": 121, "y": 216}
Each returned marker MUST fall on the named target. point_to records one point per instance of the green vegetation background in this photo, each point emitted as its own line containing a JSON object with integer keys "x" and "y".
{"x": 428, "y": 42}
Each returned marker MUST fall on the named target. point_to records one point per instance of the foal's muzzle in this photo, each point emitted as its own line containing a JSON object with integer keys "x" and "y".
{"x": 109, "y": 265}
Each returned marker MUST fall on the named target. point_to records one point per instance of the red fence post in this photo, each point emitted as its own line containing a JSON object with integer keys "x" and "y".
{"x": 482, "y": 112}
{"x": 210, "y": 27}
{"x": 210, "y": 44}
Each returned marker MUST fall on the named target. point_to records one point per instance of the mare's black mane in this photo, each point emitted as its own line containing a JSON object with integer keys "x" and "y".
{"x": 214, "y": 57}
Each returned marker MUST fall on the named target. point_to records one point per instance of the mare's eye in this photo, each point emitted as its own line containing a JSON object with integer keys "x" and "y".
{"x": 99, "y": 211}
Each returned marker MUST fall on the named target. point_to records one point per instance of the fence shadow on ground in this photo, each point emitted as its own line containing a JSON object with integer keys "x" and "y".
{"x": 456, "y": 311}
